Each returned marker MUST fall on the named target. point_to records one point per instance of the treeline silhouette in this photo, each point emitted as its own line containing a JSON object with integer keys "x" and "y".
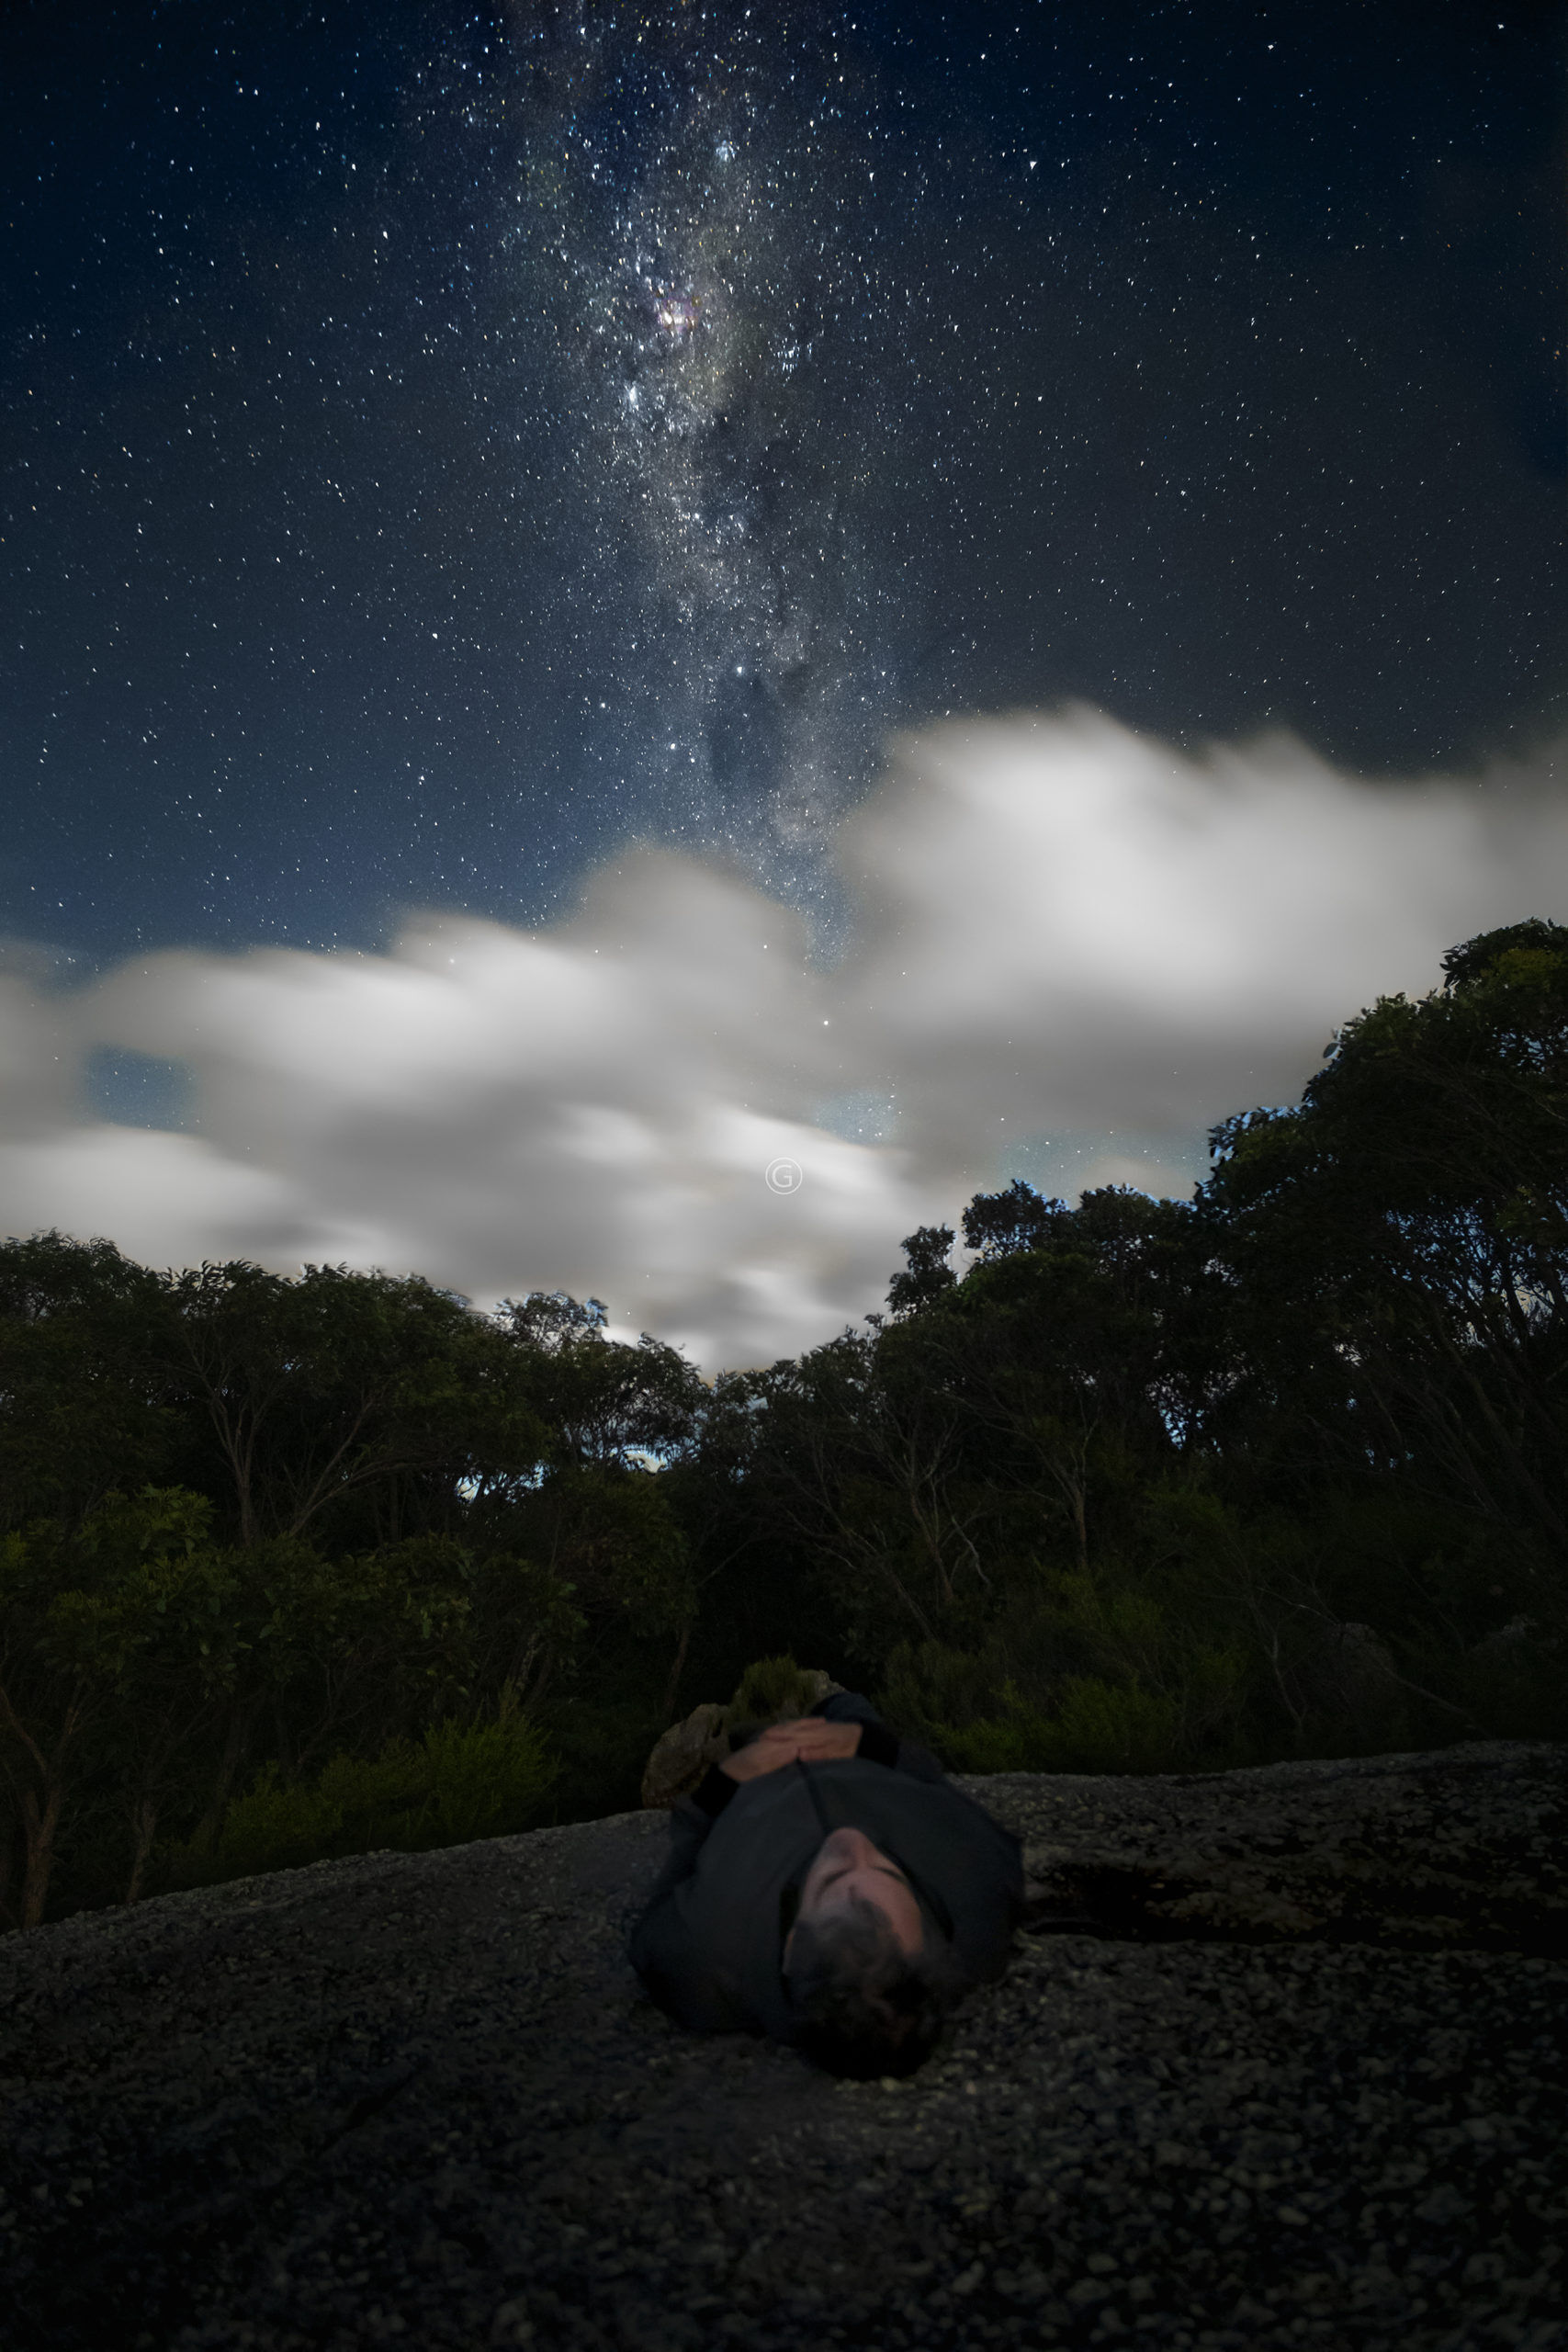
{"x": 302, "y": 1567}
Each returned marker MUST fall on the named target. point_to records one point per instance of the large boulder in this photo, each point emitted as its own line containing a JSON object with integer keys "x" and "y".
{"x": 1277, "y": 2063}
{"x": 682, "y": 1758}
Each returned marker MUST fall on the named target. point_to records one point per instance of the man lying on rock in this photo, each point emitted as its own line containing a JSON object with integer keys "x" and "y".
{"x": 829, "y": 1887}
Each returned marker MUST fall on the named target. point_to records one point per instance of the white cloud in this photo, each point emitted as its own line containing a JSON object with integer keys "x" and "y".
{"x": 1075, "y": 927}
{"x": 1064, "y": 931}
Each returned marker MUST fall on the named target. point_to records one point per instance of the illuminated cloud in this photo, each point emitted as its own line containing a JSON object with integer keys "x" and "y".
{"x": 1079, "y": 929}
{"x": 1074, "y": 948}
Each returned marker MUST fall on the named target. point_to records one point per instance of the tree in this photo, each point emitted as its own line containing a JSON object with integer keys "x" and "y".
{"x": 83, "y": 1406}
{"x": 116, "y": 1643}
{"x": 1411, "y": 1215}
{"x": 864, "y": 1469}
{"x": 603, "y": 1400}
{"x": 319, "y": 1391}
{"x": 999, "y": 1224}
{"x": 927, "y": 1273}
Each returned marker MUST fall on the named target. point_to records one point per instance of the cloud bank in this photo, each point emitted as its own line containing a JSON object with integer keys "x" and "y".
{"x": 1068, "y": 936}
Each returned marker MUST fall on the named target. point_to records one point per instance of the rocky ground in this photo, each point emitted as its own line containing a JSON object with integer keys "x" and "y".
{"x": 1279, "y": 2062}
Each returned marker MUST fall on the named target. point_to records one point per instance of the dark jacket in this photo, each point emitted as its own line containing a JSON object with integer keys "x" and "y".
{"x": 709, "y": 1946}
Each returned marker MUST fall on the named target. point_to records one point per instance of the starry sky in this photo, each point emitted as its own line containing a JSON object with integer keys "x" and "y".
{"x": 441, "y": 444}
{"x": 446, "y": 449}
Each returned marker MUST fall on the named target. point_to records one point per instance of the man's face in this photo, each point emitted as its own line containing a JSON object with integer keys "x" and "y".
{"x": 848, "y": 1865}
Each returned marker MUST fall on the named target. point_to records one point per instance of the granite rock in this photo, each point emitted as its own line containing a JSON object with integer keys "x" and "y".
{"x": 1278, "y": 2061}
{"x": 683, "y": 1756}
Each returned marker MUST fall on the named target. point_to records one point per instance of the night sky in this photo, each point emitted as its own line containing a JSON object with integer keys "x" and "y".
{"x": 444, "y": 447}
{"x": 440, "y": 444}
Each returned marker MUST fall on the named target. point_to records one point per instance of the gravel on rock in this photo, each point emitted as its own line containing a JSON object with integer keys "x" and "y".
{"x": 1279, "y": 2061}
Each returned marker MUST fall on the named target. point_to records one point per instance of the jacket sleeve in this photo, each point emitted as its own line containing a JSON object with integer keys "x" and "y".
{"x": 879, "y": 1745}
{"x": 691, "y": 1818}
{"x": 661, "y": 1948}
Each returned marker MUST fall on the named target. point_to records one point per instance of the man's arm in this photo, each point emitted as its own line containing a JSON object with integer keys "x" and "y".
{"x": 692, "y": 1816}
{"x": 807, "y": 1738}
{"x": 690, "y": 1821}
{"x": 658, "y": 1948}
{"x": 879, "y": 1745}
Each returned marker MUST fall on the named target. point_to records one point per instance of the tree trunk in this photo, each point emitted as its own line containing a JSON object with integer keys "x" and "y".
{"x": 40, "y": 1805}
{"x": 676, "y": 1670}
{"x": 143, "y": 1825}
{"x": 1080, "y": 1525}
{"x": 38, "y": 1826}
{"x": 205, "y": 1836}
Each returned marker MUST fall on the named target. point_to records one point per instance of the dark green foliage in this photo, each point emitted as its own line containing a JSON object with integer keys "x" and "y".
{"x": 926, "y": 1271}
{"x": 83, "y": 1408}
{"x": 457, "y": 1783}
{"x": 1409, "y": 1224}
{"x": 411, "y": 1579}
{"x": 998, "y": 1225}
{"x": 295, "y": 1568}
{"x": 771, "y": 1691}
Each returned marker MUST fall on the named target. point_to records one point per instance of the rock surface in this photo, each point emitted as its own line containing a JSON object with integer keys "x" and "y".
{"x": 683, "y": 1756}
{"x": 1279, "y": 2062}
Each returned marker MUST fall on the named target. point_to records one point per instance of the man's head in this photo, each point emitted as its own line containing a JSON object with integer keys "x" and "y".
{"x": 867, "y": 1996}
{"x": 849, "y": 1869}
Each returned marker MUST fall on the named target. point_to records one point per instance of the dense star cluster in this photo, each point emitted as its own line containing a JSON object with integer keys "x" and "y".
{"x": 715, "y": 298}
{"x": 444, "y": 443}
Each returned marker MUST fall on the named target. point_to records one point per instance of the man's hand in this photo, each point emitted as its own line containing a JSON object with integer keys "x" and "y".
{"x": 811, "y": 1737}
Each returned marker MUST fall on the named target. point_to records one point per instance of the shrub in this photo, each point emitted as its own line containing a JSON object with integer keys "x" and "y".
{"x": 932, "y": 1692}
{"x": 976, "y": 1718}
{"x": 772, "y": 1690}
{"x": 1092, "y": 1726}
{"x": 458, "y": 1783}
{"x": 484, "y": 1780}
{"x": 1113, "y": 1727}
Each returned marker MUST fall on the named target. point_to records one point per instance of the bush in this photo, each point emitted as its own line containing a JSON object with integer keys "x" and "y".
{"x": 932, "y": 1692}
{"x": 771, "y": 1691}
{"x": 458, "y": 1783}
{"x": 1110, "y": 1727}
{"x": 976, "y": 1718}
{"x": 486, "y": 1780}
{"x": 1092, "y": 1726}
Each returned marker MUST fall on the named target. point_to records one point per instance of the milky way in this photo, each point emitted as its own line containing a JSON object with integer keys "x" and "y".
{"x": 444, "y": 447}
{"x": 701, "y": 229}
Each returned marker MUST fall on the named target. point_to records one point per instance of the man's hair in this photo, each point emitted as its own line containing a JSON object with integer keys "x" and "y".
{"x": 861, "y": 2006}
